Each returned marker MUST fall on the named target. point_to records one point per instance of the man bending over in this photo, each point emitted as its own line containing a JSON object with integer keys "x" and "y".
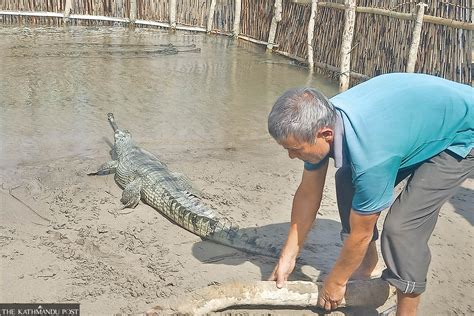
{"x": 380, "y": 132}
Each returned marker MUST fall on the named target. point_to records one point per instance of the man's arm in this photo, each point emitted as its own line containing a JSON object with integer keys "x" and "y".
{"x": 350, "y": 257}
{"x": 305, "y": 207}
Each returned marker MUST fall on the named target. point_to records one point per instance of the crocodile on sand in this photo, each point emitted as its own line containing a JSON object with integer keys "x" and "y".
{"x": 143, "y": 176}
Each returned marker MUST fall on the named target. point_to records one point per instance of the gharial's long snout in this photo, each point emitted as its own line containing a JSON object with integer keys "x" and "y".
{"x": 111, "y": 119}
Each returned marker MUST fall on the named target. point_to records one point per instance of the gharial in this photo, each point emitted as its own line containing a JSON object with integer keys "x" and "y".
{"x": 143, "y": 176}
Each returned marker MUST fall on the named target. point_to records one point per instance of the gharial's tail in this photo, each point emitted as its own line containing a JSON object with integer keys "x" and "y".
{"x": 247, "y": 240}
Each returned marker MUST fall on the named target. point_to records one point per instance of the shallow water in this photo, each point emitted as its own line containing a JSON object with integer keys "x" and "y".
{"x": 57, "y": 84}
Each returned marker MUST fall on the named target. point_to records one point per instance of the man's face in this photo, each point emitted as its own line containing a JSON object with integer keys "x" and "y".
{"x": 305, "y": 151}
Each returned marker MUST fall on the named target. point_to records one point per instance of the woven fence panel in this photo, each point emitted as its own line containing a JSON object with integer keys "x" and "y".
{"x": 404, "y": 6}
{"x": 110, "y": 8}
{"x": 380, "y": 44}
{"x": 33, "y": 5}
{"x": 328, "y": 36}
{"x": 256, "y": 18}
{"x": 224, "y": 14}
{"x": 28, "y": 20}
{"x": 449, "y": 9}
{"x": 153, "y": 10}
{"x": 292, "y": 31}
{"x": 446, "y": 53}
{"x": 56, "y": 6}
{"x": 192, "y": 12}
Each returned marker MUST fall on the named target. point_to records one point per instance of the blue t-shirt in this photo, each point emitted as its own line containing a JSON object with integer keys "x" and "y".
{"x": 395, "y": 121}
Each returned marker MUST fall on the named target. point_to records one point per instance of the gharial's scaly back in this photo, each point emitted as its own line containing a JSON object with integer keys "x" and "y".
{"x": 143, "y": 176}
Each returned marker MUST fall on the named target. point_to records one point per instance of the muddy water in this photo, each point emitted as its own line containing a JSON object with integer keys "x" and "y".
{"x": 57, "y": 84}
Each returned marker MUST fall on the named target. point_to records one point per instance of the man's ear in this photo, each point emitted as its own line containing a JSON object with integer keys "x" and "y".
{"x": 327, "y": 133}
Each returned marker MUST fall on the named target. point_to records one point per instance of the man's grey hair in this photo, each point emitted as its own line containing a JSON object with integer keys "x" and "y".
{"x": 300, "y": 112}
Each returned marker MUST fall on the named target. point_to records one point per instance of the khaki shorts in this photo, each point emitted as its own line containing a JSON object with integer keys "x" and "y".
{"x": 412, "y": 217}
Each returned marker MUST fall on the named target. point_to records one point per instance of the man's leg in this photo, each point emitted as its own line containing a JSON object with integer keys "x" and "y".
{"x": 411, "y": 221}
{"x": 407, "y": 304}
{"x": 368, "y": 268}
{"x": 345, "y": 193}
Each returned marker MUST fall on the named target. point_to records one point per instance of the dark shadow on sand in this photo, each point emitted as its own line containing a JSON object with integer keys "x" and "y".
{"x": 320, "y": 250}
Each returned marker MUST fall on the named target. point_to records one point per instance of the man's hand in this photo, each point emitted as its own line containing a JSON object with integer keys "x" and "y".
{"x": 282, "y": 271}
{"x": 331, "y": 295}
{"x": 351, "y": 256}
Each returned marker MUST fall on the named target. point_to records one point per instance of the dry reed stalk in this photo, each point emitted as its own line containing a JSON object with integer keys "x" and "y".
{"x": 253, "y": 40}
{"x": 152, "y": 23}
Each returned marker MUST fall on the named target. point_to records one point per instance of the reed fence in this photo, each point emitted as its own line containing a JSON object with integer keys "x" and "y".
{"x": 224, "y": 15}
{"x": 292, "y": 31}
{"x": 256, "y": 18}
{"x": 345, "y": 39}
{"x": 153, "y": 10}
{"x": 192, "y": 12}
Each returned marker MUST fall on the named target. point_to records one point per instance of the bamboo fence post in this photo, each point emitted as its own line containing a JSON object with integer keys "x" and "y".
{"x": 210, "y": 17}
{"x": 238, "y": 9}
{"x": 67, "y": 10}
{"x": 133, "y": 11}
{"x": 347, "y": 36}
{"x": 172, "y": 8}
{"x": 415, "y": 40}
{"x": 273, "y": 26}
{"x": 312, "y": 18}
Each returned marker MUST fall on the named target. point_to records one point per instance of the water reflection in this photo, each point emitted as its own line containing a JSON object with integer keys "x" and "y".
{"x": 58, "y": 83}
